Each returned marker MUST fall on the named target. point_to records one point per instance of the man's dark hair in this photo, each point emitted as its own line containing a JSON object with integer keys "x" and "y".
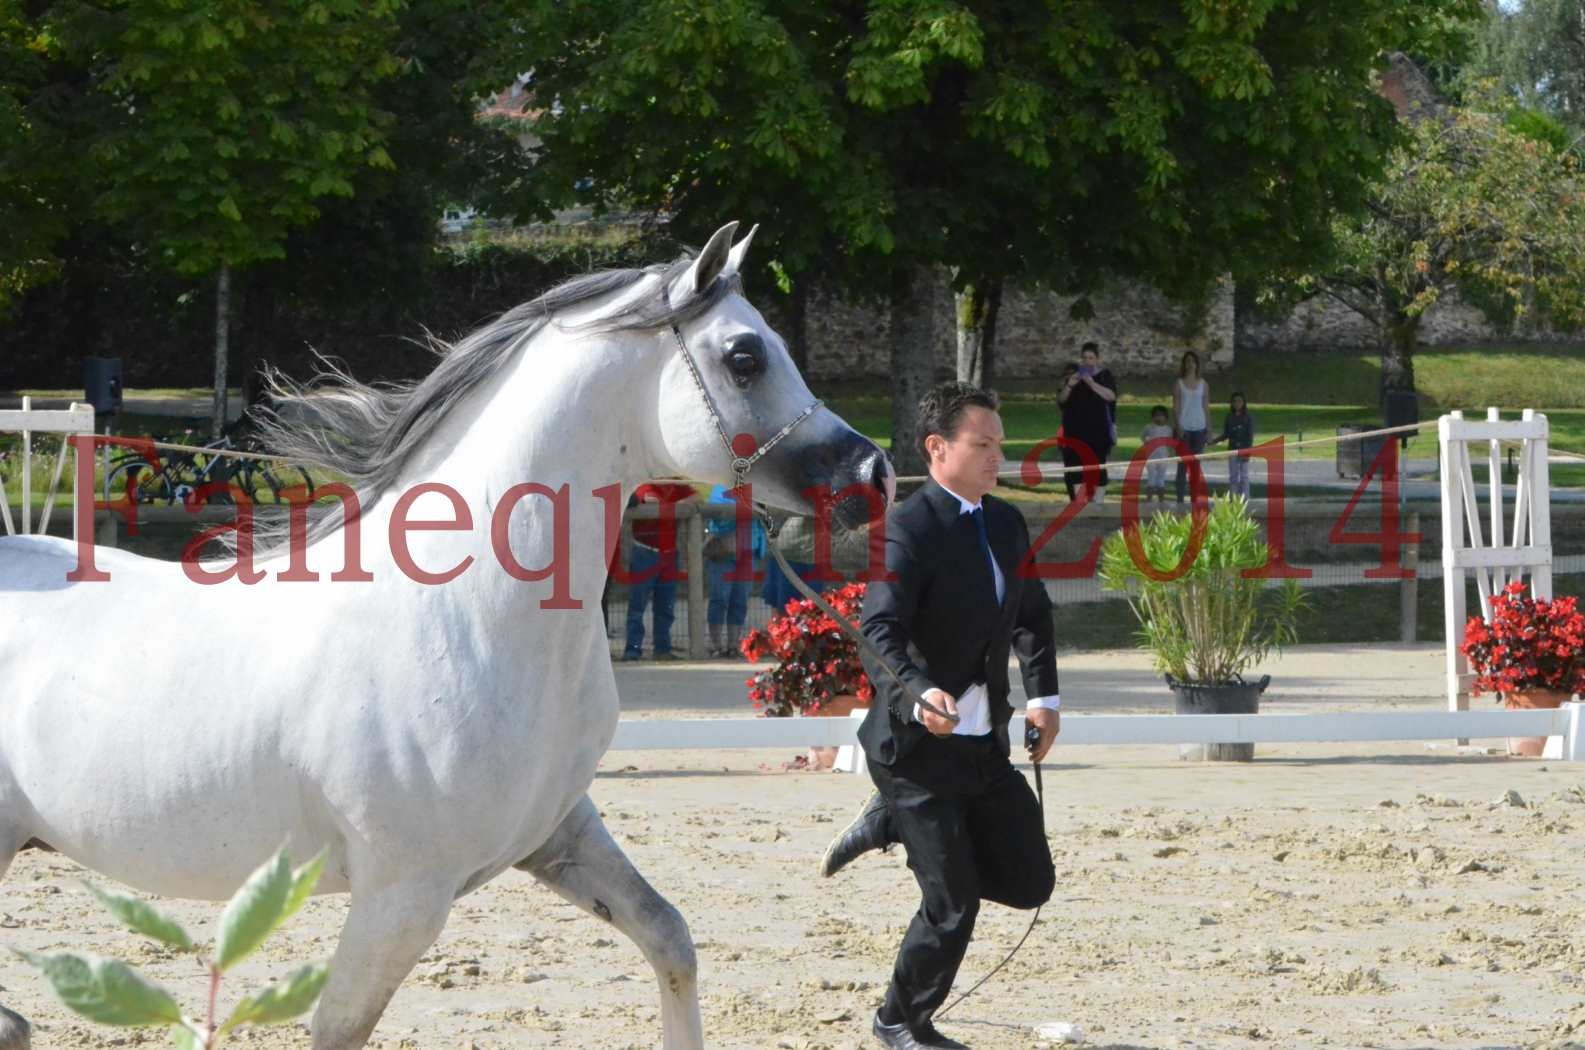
{"x": 1096, "y": 347}
{"x": 941, "y": 410}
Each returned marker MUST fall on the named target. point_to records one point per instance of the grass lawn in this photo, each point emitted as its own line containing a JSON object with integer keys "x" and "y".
{"x": 1335, "y": 616}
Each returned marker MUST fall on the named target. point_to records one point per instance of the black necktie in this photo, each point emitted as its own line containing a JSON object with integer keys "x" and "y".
{"x": 978, "y": 514}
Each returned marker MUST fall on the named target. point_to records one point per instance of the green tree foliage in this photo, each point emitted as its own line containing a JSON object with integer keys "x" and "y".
{"x": 1048, "y": 142}
{"x": 202, "y": 132}
{"x": 1466, "y": 202}
{"x": 222, "y": 123}
{"x": 32, "y": 198}
{"x": 1535, "y": 50}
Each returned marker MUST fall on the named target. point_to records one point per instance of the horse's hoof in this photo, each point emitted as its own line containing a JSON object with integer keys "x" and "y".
{"x": 15, "y": 1032}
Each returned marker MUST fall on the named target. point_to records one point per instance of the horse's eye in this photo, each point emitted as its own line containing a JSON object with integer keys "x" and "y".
{"x": 744, "y": 364}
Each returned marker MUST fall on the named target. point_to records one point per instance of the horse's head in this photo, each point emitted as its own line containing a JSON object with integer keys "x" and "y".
{"x": 730, "y": 382}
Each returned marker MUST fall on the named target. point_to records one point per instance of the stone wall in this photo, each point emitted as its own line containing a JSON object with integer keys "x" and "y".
{"x": 1324, "y": 324}
{"x": 1138, "y": 330}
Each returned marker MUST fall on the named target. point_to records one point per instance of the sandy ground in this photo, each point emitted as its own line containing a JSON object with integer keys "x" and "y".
{"x": 1375, "y": 895}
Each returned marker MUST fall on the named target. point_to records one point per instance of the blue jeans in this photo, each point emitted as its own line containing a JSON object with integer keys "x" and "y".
{"x": 728, "y": 598}
{"x": 659, "y": 586}
{"x": 1238, "y": 476}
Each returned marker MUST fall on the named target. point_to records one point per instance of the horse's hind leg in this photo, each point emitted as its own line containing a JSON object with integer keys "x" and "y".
{"x": 586, "y": 866}
{"x": 388, "y": 927}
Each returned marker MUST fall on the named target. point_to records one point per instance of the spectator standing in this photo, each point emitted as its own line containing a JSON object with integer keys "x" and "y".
{"x": 1155, "y": 469}
{"x": 653, "y": 561}
{"x": 796, "y": 541}
{"x": 1238, "y": 430}
{"x": 1088, "y": 398}
{"x": 728, "y": 606}
{"x": 1191, "y": 413}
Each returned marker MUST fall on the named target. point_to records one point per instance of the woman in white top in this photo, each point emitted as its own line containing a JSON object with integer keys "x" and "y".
{"x": 1191, "y": 412}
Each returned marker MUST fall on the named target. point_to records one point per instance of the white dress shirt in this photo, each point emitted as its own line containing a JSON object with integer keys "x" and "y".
{"x": 974, "y": 714}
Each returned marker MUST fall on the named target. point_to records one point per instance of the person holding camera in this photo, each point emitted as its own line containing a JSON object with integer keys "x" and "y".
{"x": 1088, "y": 400}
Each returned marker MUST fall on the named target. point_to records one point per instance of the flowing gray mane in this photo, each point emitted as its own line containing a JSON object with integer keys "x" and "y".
{"x": 368, "y": 432}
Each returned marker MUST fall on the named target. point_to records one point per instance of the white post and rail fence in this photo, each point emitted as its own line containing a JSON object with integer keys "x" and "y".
{"x": 1495, "y": 555}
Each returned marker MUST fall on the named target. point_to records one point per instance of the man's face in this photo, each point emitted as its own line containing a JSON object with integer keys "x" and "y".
{"x": 968, "y": 462}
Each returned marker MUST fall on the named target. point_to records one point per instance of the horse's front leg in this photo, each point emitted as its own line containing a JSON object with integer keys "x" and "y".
{"x": 15, "y": 1033}
{"x": 389, "y": 925}
{"x": 584, "y": 864}
{"x": 14, "y": 1030}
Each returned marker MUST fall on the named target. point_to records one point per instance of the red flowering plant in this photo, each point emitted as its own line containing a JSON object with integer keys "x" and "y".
{"x": 815, "y": 660}
{"x": 1530, "y": 644}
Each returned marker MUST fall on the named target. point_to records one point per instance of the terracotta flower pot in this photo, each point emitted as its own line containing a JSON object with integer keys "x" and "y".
{"x": 839, "y": 706}
{"x": 1532, "y": 746}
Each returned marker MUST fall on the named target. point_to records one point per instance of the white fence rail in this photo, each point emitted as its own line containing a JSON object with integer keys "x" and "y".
{"x": 1566, "y": 723}
{"x": 78, "y": 419}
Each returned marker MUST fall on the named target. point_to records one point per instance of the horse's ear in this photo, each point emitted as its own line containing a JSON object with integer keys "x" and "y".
{"x": 734, "y": 262}
{"x": 707, "y": 267}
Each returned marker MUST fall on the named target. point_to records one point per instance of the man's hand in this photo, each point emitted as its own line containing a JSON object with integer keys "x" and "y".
{"x": 1049, "y": 723}
{"x": 934, "y": 722}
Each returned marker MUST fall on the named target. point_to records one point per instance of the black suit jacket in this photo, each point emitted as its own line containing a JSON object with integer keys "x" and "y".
{"x": 938, "y": 624}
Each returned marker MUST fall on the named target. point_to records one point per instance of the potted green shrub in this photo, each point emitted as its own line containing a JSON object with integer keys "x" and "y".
{"x": 1204, "y": 621}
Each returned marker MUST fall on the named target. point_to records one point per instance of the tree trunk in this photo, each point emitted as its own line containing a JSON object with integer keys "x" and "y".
{"x": 913, "y": 343}
{"x": 217, "y": 408}
{"x": 798, "y": 324}
{"x": 1399, "y": 336}
{"x": 977, "y": 307}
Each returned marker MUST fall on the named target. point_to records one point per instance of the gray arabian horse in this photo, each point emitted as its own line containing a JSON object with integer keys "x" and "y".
{"x": 440, "y": 720}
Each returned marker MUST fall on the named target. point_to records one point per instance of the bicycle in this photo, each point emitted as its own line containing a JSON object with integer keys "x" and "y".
{"x": 178, "y": 475}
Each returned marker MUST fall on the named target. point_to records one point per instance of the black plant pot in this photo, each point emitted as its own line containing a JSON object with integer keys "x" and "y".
{"x": 1228, "y": 698}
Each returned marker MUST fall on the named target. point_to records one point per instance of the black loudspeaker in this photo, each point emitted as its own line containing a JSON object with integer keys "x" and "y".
{"x": 1400, "y": 408}
{"x": 102, "y": 384}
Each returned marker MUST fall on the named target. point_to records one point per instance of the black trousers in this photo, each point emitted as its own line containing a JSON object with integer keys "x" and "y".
{"x": 1092, "y": 477}
{"x": 972, "y": 830}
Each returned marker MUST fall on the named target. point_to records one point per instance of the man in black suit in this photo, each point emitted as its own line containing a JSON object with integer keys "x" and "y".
{"x": 952, "y": 609}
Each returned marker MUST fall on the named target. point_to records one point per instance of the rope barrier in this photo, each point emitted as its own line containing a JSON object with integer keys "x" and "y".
{"x": 1335, "y": 439}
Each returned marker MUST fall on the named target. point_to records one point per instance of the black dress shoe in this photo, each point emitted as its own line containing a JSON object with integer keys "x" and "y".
{"x": 899, "y": 1037}
{"x": 871, "y": 829}
{"x": 927, "y": 1036}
